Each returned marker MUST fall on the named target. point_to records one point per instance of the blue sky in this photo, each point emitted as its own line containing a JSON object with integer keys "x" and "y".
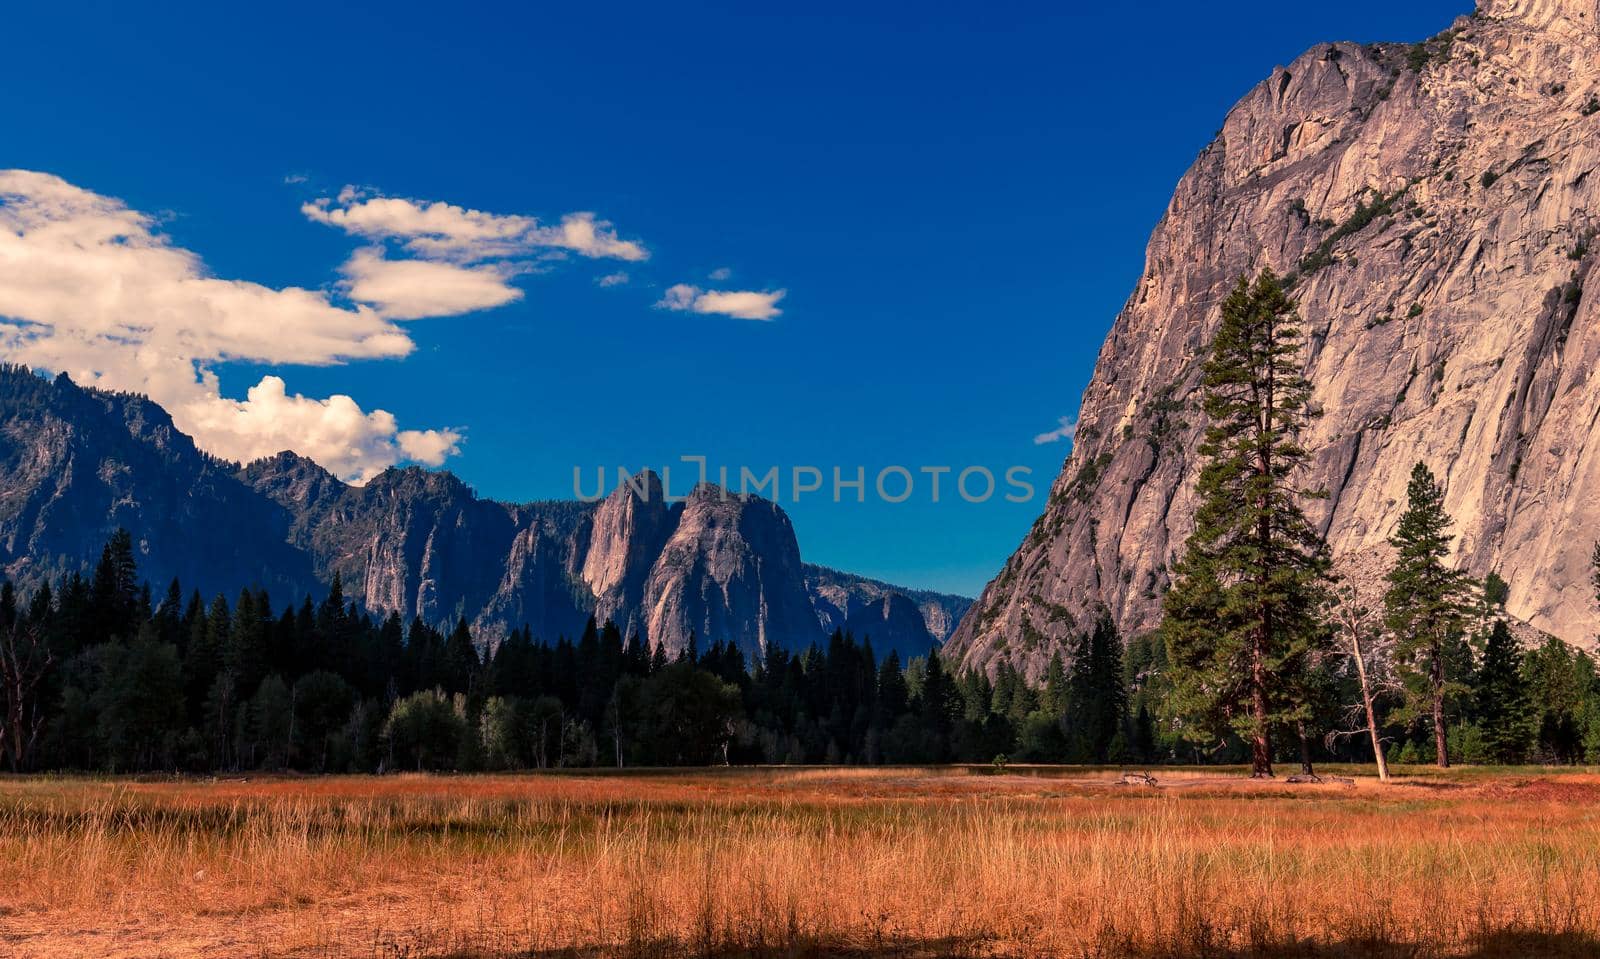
{"x": 955, "y": 200}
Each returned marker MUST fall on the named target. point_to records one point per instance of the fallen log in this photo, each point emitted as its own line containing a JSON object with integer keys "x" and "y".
{"x": 1318, "y": 780}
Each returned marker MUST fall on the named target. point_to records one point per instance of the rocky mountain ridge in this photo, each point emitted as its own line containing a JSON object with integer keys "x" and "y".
{"x": 77, "y": 463}
{"x": 871, "y": 608}
{"x": 1436, "y": 207}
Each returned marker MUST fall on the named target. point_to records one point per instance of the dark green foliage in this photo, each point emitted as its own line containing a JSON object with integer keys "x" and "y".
{"x": 1580, "y": 247}
{"x": 1097, "y": 694}
{"x": 1382, "y": 204}
{"x": 1500, "y": 699}
{"x": 1594, "y": 574}
{"x": 1435, "y": 49}
{"x": 114, "y": 595}
{"x": 1426, "y": 608}
{"x": 1242, "y": 618}
{"x": 325, "y": 687}
{"x": 1495, "y": 591}
{"x": 425, "y": 731}
{"x": 322, "y": 705}
{"x": 683, "y": 715}
{"x": 1088, "y": 477}
{"x": 1560, "y": 683}
{"x": 137, "y": 701}
{"x": 1488, "y": 179}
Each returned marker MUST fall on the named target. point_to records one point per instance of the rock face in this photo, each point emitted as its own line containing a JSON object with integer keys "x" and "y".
{"x": 731, "y": 569}
{"x": 75, "y": 464}
{"x": 631, "y": 528}
{"x": 908, "y": 621}
{"x": 423, "y": 544}
{"x": 1437, "y": 208}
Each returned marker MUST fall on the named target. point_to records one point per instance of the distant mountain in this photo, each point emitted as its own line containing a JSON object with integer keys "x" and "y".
{"x": 909, "y": 621}
{"x": 77, "y": 463}
{"x": 421, "y": 543}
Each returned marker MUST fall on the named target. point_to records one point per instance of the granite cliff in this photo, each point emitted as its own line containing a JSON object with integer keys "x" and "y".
{"x": 1436, "y": 208}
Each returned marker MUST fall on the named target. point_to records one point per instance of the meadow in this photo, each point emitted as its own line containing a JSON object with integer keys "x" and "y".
{"x": 949, "y": 861}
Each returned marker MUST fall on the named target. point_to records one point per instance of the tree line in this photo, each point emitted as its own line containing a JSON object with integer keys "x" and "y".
{"x": 100, "y": 675}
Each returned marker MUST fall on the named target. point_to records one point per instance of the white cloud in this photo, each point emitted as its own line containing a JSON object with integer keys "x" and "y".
{"x": 411, "y": 289}
{"x": 720, "y": 273}
{"x": 92, "y": 288}
{"x": 741, "y": 304}
{"x": 612, "y": 279}
{"x": 1066, "y": 429}
{"x": 335, "y": 432}
{"x": 444, "y": 231}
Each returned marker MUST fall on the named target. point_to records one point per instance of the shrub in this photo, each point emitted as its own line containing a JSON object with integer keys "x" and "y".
{"x": 1381, "y": 204}
{"x": 424, "y": 731}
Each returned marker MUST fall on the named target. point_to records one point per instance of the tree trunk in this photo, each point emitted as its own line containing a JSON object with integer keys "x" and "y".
{"x": 1440, "y": 745}
{"x": 1305, "y": 750}
{"x": 1260, "y": 741}
{"x": 1372, "y": 716}
{"x": 1261, "y": 747}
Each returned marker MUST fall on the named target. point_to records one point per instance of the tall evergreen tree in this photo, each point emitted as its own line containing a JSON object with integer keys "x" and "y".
{"x": 1243, "y": 615}
{"x": 114, "y": 591}
{"x": 938, "y": 707}
{"x": 1501, "y": 698}
{"x": 1557, "y": 684}
{"x": 460, "y": 660}
{"x": 892, "y": 694}
{"x": 1097, "y": 698}
{"x": 1426, "y": 605}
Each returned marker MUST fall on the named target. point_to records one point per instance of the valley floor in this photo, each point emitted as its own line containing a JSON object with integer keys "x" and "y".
{"x": 803, "y": 862}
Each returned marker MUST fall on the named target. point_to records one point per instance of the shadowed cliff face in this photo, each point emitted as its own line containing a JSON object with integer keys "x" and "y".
{"x": 76, "y": 464}
{"x": 908, "y": 621}
{"x": 1437, "y": 208}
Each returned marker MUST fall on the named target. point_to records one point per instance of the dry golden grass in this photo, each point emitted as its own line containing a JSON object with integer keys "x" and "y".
{"x": 804, "y": 862}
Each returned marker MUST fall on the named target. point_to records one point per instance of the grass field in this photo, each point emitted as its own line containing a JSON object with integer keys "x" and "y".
{"x": 803, "y": 862}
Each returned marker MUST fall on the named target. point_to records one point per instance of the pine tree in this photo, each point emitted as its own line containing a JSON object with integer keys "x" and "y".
{"x": 938, "y": 707}
{"x": 892, "y": 695}
{"x": 114, "y": 591}
{"x": 1426, "y": 605}
{"x": 1501, "y": 698}
{"x": 1097, "y": 699}
{"x": 1243, "y": 615}
{"x": 1053, "y": 698}
{"x": 461, "y": 661}
{"x": 1556, "y": 683}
